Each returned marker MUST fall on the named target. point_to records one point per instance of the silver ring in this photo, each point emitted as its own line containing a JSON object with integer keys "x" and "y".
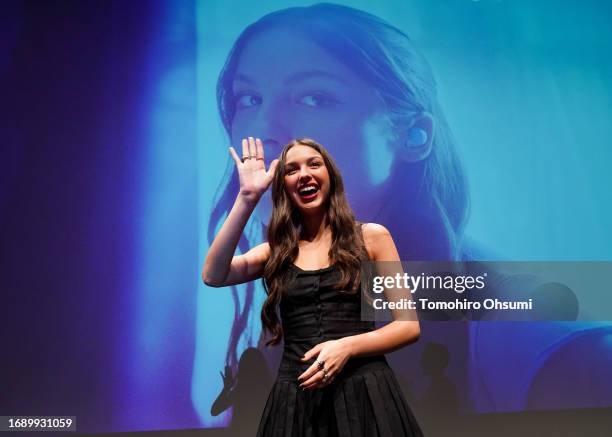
{"x": 246, "y": 157}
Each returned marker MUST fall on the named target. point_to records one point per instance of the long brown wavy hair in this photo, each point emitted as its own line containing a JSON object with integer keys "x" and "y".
{"x": 347, "y": 250}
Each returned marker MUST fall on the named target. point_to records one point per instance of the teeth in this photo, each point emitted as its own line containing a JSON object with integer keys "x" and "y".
{"x": 308, "y": 190}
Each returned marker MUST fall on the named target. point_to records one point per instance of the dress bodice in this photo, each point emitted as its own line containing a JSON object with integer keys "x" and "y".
{"x": 313, "y": 311}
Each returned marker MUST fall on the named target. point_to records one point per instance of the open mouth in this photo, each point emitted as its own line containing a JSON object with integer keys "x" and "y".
{"x": 308, "y": 192}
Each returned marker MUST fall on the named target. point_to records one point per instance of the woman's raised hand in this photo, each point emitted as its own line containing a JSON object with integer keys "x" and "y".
{"x": 254, "y": 179}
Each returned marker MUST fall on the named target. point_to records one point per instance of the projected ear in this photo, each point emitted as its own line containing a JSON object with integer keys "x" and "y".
{"x": 417, "y": 138}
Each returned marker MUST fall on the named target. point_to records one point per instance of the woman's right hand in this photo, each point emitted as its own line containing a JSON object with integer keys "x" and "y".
{"x": 254, "y": 179}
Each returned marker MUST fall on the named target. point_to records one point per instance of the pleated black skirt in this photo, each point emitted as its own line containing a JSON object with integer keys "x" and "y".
{"x": 365, "y": 400}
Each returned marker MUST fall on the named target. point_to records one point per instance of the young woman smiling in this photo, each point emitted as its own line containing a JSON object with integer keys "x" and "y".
{"x": 333, "y": 379}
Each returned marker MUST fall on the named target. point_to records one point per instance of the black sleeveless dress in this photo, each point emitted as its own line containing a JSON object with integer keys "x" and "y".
{"x": 364, "y": 400}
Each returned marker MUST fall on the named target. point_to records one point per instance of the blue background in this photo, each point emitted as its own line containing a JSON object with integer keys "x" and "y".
{"x": 113, "y": 151}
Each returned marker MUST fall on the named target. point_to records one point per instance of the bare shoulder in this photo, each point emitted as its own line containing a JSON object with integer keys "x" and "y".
{"x": 374, "y": 230}
{"x": 378, "y": 241}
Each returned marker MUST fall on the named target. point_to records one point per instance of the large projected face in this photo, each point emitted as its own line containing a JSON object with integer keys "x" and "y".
{"x": 287, "y": 87}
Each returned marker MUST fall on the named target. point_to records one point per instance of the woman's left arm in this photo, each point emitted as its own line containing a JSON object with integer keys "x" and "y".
{"x": 335, "y": 353}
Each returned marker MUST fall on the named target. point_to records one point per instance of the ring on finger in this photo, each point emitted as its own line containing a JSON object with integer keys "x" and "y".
{"x": 245, "y": 157}
{"x": 321, "y": 365}
{"x": 325, "y": 375}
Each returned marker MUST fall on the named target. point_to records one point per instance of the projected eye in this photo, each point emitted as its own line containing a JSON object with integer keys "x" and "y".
{"x": 247, "y": 100}
{"x": 317, "y": 100}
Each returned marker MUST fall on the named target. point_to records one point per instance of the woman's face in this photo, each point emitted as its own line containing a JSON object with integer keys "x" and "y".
{"x": 286, "y": 87}
{"x": 307, "y": 180}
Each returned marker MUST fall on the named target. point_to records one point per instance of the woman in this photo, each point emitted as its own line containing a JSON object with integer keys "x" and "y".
{"x": 358, "y": 84}
{"x": 311, "y": 267}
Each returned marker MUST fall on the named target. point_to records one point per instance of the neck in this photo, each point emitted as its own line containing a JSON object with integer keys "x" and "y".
{"x": 314, "y": 226}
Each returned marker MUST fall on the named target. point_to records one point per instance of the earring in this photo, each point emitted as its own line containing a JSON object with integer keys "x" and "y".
{"x": 417, "y": 137}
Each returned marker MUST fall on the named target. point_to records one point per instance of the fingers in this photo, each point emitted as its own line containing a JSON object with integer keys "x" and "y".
{"x": 235, "y": 156}
{"x": 253, "y": 151}
{"x": 314, "y": 351}
{"x": 319, "y": 374}
{"x": 318, "y": 380}
{"x": 313, "y": 381}
{"x": 245, "y": 149}
{"x": 309, "y": 373}
{"x": 273, "y": 168}
{"x": 252, "y": 148}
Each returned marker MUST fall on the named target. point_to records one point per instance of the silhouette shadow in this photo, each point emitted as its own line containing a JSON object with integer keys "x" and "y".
{"x": 245, "y": 393}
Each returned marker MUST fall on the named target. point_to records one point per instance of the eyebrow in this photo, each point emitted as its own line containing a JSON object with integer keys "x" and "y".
{"x": 313, "y": 74}
{"x": 312, "y": 158}
{"x": 243, "y": 78}
{"x": 297, "y": 77}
